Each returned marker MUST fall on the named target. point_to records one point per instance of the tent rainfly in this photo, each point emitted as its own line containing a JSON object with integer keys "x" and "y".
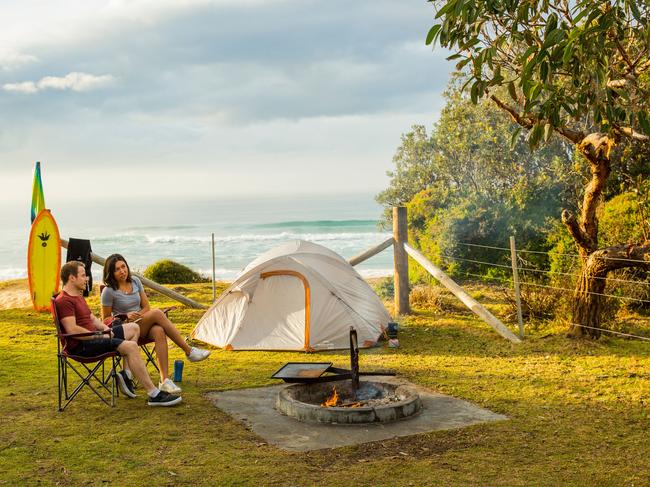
{"x": 297, "y": 296}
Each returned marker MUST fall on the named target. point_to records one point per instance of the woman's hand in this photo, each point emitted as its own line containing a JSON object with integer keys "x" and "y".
{"x": 133, "y": 315}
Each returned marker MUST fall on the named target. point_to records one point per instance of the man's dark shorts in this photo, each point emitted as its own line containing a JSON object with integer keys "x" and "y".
{"x": 99, "y": 346}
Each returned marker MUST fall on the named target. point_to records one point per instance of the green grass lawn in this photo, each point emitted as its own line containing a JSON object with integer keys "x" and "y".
{"x": 579, "y": 413}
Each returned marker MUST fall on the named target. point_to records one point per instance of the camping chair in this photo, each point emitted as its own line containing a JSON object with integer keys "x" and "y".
{"x": 65, "y": 362}
{"x": 143, "y": 342}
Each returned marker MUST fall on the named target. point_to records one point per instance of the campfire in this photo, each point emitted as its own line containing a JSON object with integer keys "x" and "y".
{"x": 334, "y": 400}
{"x": 350, "y": 401}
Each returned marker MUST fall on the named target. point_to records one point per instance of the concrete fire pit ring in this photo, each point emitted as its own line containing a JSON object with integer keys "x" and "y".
{"x": 303, "y": 402}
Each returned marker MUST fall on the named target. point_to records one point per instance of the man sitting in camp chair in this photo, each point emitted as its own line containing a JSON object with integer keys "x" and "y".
{"x": 76, "y": 317}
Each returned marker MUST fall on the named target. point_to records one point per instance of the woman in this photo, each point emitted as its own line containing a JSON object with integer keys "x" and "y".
{"x": 124, "y": 294}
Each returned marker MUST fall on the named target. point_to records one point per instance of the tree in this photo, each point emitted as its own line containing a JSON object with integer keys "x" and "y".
{"x": 575, "y": 68}
{"x": 414, "y": 170}
{"x": 471, "y": 181}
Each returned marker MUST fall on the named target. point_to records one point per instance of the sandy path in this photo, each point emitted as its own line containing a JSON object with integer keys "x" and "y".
{"x": 15, "y": 294}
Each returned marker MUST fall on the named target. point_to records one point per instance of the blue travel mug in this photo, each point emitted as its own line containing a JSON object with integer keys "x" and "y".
{"x": 178, "y": 370}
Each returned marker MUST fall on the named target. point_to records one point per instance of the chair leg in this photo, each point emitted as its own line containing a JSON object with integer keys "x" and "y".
{"x": 113, "y": 383}
{"x": 151, "y": 358}
{"x": 92, "y": 373}
{"x": 59, "y": 378}
{"x": 65, "y": 378}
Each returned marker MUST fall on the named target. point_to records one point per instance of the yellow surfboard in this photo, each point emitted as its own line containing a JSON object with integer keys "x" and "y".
{"x": 43, "y": 260}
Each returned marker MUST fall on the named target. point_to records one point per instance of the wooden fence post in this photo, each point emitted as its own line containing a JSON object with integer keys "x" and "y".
{"x": 401, "y": 275}
{"x": 515, "y": 280}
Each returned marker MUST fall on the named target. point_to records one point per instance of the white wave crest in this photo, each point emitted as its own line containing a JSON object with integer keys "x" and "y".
{"x": 13, "y": 273}
{"x": 251, "y": 237}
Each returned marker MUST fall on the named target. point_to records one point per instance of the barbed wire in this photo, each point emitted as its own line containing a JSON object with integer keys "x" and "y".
{"x": 546, "y": 253}
{"x": 621, "y": 259}
{"x": 483, "y": 246}
{"x": 475, "y": 261}
{"x": 586, "y": 292}
{"x": 640, "y": 261}
{"x": 484, "y": 278}
{"x": 528, "y": 269}
{"x": 612, "y": 331}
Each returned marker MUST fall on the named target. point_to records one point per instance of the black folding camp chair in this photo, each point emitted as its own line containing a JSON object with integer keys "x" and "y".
{"x": 85, "y": 369}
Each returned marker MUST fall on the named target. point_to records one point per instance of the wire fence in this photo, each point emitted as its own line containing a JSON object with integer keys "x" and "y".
{"x": 509, "y": 268}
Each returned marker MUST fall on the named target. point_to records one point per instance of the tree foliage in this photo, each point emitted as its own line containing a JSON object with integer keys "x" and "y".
{"x": 471, "y": 181}
{"x": 576, "y": 68}
{"x": 571, "y": 66}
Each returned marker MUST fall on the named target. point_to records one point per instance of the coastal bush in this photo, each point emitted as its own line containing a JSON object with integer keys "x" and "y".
{"x": 169, "y": 272}
{"x": 385, "y": 288}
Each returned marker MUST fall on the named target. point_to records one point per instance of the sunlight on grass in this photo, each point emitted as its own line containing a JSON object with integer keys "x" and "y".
{"x": 578, "y": 412}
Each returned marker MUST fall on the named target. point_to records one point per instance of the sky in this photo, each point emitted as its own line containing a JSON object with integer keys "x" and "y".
{"x": 194, "y": 98}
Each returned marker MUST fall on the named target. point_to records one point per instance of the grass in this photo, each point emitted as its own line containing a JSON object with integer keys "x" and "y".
{"x": 579, "y": 412}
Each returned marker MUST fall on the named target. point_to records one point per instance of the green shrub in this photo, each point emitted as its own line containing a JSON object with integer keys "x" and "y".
{"x": 385, "y": 288}
{"x": 169, "y": 272}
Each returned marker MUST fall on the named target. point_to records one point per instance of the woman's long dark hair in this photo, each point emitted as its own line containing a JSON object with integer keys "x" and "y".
{"x": 109, "y": 270}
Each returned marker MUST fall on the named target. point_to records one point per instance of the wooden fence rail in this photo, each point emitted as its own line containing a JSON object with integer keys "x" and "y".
{"x": 149, "y": 283}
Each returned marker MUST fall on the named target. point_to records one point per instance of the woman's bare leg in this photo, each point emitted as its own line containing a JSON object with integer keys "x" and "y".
{"x": 132, "y": 333}
{"x": 157, "y": 317}
{"x": 157, "y": 334}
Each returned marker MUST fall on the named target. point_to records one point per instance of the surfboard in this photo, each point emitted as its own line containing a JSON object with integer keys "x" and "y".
{"x": 43, "y": 260}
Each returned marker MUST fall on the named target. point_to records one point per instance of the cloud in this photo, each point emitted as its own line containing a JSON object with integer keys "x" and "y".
{"x": 215, "y": 95}
{"x": 72, "y": 81}
{"x": 11, "y": 59}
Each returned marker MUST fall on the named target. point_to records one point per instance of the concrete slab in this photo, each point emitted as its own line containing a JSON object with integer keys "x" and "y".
{"x": 255, "y": 407}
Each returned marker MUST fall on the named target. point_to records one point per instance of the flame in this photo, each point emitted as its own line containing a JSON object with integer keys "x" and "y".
{"x": 331, "y": 400}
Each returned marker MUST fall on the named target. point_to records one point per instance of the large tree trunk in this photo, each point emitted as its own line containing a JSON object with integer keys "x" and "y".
{"x": 587, "y": 305}
{"x": 588, "y": 299}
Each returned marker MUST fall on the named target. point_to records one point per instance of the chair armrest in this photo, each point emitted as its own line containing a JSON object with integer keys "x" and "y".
{"x": 121, "y": 316}
{"x": 87, "y": 334}
{"x": 168, "y": 309}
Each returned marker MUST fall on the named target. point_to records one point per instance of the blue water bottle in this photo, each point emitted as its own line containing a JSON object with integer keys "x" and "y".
{"x": 178, "y": 370}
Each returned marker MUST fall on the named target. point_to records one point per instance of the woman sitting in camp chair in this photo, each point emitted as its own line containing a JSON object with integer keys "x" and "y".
{"x": 124, "y": 295}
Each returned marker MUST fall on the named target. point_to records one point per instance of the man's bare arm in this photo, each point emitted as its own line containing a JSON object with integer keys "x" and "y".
{"x": 70, "y": 326}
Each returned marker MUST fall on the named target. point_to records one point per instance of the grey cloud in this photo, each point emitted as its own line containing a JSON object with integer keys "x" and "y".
{"x": 178, "y": 79}
{"x": 292, "y": 59}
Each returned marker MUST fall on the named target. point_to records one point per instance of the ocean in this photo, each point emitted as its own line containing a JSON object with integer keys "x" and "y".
{"x": 181, "y": 230}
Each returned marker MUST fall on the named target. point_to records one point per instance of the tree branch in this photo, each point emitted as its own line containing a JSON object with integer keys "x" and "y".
{"x": 571, "y": 135}
{"x": 524, "y": 122}
{"x": 624, "y": 55}
{"x": 621, "y": 256}
{"x": 632, "y": 134}
{"x": 584, "y": 245}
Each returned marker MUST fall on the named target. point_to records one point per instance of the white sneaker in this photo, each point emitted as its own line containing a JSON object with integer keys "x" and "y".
{"x": 169, "y": 386}
{"x": 197, "y": 354}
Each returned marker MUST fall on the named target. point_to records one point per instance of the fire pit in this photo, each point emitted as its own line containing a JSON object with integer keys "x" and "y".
{"x": 341, "y": 397}
{"x": 373, "y": 402}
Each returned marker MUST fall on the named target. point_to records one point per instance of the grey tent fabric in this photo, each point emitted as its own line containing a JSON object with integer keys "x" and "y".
{"x": 267, "y": 308}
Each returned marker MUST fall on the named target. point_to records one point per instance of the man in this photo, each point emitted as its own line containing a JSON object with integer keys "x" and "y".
{"x": 76, "y": 317}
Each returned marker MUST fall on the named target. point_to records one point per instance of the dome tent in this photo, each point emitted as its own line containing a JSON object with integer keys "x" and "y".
{"x": 297, "y": 296}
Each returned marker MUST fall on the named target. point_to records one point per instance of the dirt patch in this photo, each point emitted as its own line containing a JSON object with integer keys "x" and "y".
{"x": 15, "y": 294}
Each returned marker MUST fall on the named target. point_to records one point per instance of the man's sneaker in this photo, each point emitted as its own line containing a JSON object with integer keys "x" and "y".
{"x": 126, "y": 384}
{"x": 164, "y": 399}
{"x": 197, "y": 354}
{"x": 168, "y": 386}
